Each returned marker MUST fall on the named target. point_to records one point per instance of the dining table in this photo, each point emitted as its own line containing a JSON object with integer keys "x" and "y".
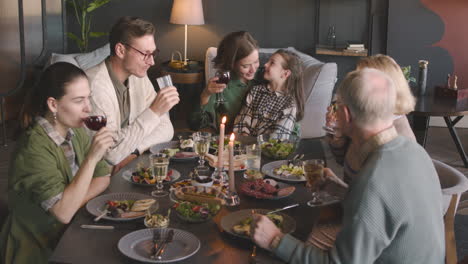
{"x": 79, "y": 245}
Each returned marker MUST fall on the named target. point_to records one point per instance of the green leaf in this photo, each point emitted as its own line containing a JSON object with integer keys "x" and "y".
{"x": 98, "y": 34}
{"x": 96, "y": 4}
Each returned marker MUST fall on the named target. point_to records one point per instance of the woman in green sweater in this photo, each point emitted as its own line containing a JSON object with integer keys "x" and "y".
{"x": 55, "y": 169}
{"x": 237, "y": 53}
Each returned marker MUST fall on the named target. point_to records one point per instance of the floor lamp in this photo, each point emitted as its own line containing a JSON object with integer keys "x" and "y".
{"x": 187, "y": 12}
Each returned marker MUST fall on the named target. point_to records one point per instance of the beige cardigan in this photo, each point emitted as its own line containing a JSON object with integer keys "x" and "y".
{"x": 145, "y": 127}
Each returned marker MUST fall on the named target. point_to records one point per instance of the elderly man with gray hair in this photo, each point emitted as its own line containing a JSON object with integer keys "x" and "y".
{"x": 393, "y": 210}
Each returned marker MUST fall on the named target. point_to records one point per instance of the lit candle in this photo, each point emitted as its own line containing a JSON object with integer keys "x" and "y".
{"x": 232, "y": 186}
{"x": 221, "y": 145}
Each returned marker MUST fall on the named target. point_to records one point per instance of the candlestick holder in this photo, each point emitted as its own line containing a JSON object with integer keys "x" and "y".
{"x": 221, "y": 176}
{"x": 232, "y": 199}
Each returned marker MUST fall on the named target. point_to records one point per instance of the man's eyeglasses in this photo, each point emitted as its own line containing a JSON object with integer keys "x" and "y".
{"x": 146, "y": 56}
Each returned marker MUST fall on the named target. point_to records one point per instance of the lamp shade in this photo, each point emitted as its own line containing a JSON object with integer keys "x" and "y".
{"x": 187, "y": 12}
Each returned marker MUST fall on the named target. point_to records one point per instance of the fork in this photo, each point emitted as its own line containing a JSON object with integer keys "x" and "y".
{"x": 253, "y": 254}
{"x": 156, "y": 239}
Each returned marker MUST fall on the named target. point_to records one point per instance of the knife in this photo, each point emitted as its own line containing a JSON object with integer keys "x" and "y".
{"x": 284, "y": 208}
{"x": 168, "y": 240}
{"x": 102, "y": 227}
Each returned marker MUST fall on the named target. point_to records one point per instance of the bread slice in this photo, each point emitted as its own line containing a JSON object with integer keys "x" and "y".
{"x": 142, "y": 205}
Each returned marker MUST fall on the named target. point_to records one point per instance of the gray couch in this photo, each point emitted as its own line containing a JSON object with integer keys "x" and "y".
{"x": 319, "y": 81}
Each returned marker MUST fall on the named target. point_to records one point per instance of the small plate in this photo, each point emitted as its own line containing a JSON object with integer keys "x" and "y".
{"x": 127, "y": 175}
{"x": 171, "y": 144}
{"x": 138, "y": 245}
{"x": 234, "y": 218}
{"x": 97, "y": 205}
{"x": 269, "y": 167}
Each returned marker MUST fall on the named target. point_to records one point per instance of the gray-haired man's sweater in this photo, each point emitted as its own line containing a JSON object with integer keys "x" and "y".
{"x": 392, "y": 213}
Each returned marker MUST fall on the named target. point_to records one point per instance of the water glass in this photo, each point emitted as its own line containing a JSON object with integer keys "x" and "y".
{"x": 164, "y": 81}
{"x": 252, "y": 163}
{"x": 159, "y": 163}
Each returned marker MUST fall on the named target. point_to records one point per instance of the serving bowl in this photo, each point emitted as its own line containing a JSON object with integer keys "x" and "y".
{"x": 278, "y": 146}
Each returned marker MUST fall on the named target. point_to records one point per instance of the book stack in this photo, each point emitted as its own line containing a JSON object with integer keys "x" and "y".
{"x": 356, "y": 47}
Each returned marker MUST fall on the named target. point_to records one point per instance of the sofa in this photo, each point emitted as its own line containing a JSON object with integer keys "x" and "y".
{"x": 319, "y": 81}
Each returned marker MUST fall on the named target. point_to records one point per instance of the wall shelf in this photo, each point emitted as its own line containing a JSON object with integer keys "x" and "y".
{"x": 340, "y": 52}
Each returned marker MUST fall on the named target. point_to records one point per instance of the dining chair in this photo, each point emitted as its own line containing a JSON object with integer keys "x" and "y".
{"x": 453, "y": 184}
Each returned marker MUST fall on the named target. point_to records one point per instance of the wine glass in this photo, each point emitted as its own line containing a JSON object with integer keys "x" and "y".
{"x": 201, "y": 145}
{"x": 223, "y": 77}
{"x": 313, "y": 170}
{"x": 99, "y": 120}
{"x": 96, "y": 121}
{"x": 159, "y": 163}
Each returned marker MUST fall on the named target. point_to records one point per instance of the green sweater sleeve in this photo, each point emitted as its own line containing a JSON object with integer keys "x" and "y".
{"x": 202, "y": 116}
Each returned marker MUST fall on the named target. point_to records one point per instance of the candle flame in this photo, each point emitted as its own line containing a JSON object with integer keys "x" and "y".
{"x": 223, "y": 121}
{"x": 232, "y": 137}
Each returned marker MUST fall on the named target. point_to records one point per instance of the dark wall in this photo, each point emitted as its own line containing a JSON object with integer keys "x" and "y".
{"x": 413, "y": 31}
{"x": 274, "y": 23}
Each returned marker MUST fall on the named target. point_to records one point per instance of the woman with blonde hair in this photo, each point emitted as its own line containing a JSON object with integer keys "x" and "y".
{"x": 344, "y": 150}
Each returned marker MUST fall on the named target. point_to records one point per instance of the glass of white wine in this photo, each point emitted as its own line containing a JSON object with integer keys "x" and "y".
{"x": 159, "y": 164}
{"x": 313, "y": 170}
{"x": 201, "y": 145}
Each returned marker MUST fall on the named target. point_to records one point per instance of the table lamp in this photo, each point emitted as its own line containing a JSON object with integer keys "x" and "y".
{"x": 187, "y": 12}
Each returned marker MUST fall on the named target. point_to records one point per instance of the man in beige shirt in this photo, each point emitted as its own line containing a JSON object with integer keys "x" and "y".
{"x": 120, "y": 89}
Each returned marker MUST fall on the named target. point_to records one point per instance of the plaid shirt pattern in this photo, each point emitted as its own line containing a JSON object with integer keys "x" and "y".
{"x": 266, "y": 112}
{"x": 67, "y": 147}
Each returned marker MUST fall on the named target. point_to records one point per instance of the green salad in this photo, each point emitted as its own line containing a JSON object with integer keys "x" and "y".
{"x": 277, "y": 149}
{"x": 196, "y": 212}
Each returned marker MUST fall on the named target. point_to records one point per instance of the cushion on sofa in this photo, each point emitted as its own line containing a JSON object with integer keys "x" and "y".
{"x": 91, "y": 59}
{"x": 82, "y": 60}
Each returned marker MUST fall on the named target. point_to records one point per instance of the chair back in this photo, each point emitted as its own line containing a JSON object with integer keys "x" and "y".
{"x": 453, "y": 184}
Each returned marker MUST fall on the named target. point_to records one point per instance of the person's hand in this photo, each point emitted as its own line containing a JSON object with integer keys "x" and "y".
{"x": 263, "y": 230}
{"x": 165, "y": 100}
{"x": 329, "y": 175}
{"x": 211, "y": 88}
{"x": 102, "y": 141}
{"x": 123, "y": 163}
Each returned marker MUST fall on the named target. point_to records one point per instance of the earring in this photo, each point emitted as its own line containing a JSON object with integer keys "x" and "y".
{"x": 55, "y": 116}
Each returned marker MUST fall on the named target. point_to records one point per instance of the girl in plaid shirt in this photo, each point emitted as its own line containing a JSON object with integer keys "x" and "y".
{"x": 275, "y": 106}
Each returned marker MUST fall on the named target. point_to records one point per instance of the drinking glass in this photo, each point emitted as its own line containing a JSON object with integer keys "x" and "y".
{"x": 159, "y": 163}
{"x": 252, "y": 163}
{"x": 201, "y": 143}
{"x": 223, "y": 77}
{"x": 99, "y": 120}
{"x": 313, "y": 170}
{"x": 164, "y": 81}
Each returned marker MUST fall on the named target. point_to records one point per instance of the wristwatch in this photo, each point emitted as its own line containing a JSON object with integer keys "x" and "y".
{"x": 135, "y": 152}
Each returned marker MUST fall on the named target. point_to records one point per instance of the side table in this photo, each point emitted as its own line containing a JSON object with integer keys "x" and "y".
{"x": 189, "y": 82}
{"x": 448, "y": 108}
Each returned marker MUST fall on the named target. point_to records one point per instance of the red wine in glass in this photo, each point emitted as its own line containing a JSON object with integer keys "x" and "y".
{"x": 223, "y": 77}
{"x": 95, "y": 122}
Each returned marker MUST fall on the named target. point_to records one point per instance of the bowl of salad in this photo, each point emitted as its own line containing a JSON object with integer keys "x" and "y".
{"x": 278, "y": 146}
{"x": 194, "y": 212}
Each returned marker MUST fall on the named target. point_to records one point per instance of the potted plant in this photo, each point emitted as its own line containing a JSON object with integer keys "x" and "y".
{"x": 83, "y": 11}
{"x": 407, "y": 73}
